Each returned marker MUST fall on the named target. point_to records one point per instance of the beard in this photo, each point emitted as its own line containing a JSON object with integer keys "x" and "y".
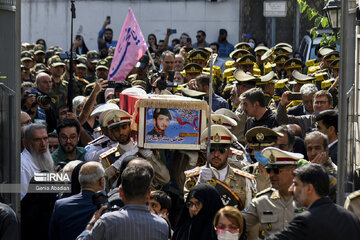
{"x": 44, "y": 160}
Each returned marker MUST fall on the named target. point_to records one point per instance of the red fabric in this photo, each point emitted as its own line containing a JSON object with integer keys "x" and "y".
{"x": 127, "y": 102}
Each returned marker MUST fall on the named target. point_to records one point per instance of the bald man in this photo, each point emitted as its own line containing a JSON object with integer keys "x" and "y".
{"x": 72, "y": 214}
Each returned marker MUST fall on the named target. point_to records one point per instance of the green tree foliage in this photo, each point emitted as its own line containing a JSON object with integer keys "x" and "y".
{"x": 319, "y": 20}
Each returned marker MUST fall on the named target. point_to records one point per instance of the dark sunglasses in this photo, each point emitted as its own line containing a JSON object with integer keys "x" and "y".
{"x": 275, "y": 169}
{"x": 221, "y": 150}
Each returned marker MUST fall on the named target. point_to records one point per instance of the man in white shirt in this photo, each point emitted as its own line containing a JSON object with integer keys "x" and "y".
{"x": 36, "y": 156}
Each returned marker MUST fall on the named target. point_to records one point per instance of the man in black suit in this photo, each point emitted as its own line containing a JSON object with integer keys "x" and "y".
{"x": 306, "y": 107}
{"x": 323, "y": 219}
{"x": 72, "y": 214}
{"x": 327, "y": 123}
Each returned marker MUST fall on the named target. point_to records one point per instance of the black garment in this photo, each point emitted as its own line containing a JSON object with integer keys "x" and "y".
{"x": 153, "y": 133}
{"x": 200, "y": 226}
{"x": 297, "y": 110}
{"x": 36, "y": 209}
{"x": 267, "y": 120}
{"x": 9, "y": 224}
{"x": 333, "y": 150}
{"x": 323, "y": 220}
{"x": 299, "y": 146}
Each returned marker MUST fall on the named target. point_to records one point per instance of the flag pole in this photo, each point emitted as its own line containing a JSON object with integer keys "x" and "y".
{"x": 151, "y": 60}
{"x": 210, "y": 109}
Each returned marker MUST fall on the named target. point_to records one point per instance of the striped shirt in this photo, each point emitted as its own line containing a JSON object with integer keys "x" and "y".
{"x": 133, "y": 221}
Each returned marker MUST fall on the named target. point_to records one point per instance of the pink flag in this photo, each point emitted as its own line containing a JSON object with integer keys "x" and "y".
{"x": 130, "y": 48}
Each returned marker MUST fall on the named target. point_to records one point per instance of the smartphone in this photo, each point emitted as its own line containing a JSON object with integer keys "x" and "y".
{"x": 172, "y": 31}
{"x": 108, "y": 18}
{"x": 294, "y": 96}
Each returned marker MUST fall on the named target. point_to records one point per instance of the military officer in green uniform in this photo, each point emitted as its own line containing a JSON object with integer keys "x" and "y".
{"x": 239, "y": 183}
{"x": 118, "y": 123}
{"x": 60, "y": 87}
{"x": 273, "y": 208}
{"x": 257, "y": 139}
{"x": 267, "y": 85}
{"x": 80, "y": 71}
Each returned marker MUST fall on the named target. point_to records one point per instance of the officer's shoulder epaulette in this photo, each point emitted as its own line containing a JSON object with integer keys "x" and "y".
{"x": 96, "y": 139}
{"x": 267, "y": 190}
{"x": 354, "y": 195}
{"x": 83, "y": 80}
{"x": 108, "y": 152}
{"x": 243, "y": 173}
{"x": 192, "y": 172}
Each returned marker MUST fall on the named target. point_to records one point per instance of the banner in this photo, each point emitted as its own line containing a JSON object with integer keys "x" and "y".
{"x": 130, "y": 48}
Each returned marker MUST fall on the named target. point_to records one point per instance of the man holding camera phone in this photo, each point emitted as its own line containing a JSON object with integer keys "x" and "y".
{"x": 322, "y": 100}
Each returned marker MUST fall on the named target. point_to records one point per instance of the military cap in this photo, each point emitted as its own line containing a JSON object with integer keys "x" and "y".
{"x": 102, "y": 64}
{"x": 115, "y": 118}
{"x": 242, "y": 45}
{"x": 219, "y": 135}
{"x": 39, "y": 48}
{"x": 268, "y": 78}
{"x": 193, "y": 68}
{"x": 302, "y": 78}
{"x": 141, "y": 83}
{"x": 228, "y": 113}
{"x": 223, "y": 120}
{"x": 260, "y": 50}
{"x": 281, "y": 59}
{"x": 335, "y": 64}
{"x": 261, "y": 137}
{"x": 283, "y": 44}
{"x": 207, "y": 50}
{"x": 246, "y": 60}
{"x": 40, "y": 67}
{"x": 198, "y": 54}
{"x": 325, "y": 50}
{"x": 334, "y": 55}
{"x": 26, "y": 55}
{"x": 192, "y": 93}
{"x": 293, "y": 63}
{"x": 238, "y": 53}
{"x": 283, "y": 50}
{"x": 277, "y": 156}
{"x": 243, "y": 78}
{"x": 93, "y": 56}
{"x": 49, "y": 53}
{"x": 55, "y": 61}
{"x": 82, "y": 62}
{"x": 104, "y": 107}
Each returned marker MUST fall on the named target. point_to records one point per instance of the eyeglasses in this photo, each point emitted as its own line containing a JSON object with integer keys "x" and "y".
{"x": 276, "y": 169}
{"x": 221, "y": 150}
{"x": 222, "y": 229}
{"x": 198, "y": 36}
{"x": 66, "y": 138}
{"x": 190, "y": 204}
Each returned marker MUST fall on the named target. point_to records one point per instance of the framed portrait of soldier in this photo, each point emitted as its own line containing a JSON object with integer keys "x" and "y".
{"x": 168, "y": 127}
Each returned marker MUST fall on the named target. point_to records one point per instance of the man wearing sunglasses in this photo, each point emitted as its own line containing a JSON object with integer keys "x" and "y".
{"x": 257, "y": 139}
{"x": 221, "y": 174}
{"x": 273, "y": 207}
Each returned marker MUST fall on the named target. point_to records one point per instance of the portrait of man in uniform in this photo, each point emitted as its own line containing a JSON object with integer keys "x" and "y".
{"x": 161, "y": 118}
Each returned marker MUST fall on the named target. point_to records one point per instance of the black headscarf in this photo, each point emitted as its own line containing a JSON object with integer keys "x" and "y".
{"x": 200, "y": 226}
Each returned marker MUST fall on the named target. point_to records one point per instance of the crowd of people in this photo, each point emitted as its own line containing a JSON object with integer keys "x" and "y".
{"x": 273, "y": 143}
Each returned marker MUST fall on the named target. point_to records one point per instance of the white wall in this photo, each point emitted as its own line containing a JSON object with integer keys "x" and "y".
{"x": 50, "y": 19}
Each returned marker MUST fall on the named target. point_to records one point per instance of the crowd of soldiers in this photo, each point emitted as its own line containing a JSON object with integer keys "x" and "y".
{"x": 271, "y": 114}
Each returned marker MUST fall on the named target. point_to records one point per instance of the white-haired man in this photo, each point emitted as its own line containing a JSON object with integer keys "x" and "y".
{"x": 36, "y": 156}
